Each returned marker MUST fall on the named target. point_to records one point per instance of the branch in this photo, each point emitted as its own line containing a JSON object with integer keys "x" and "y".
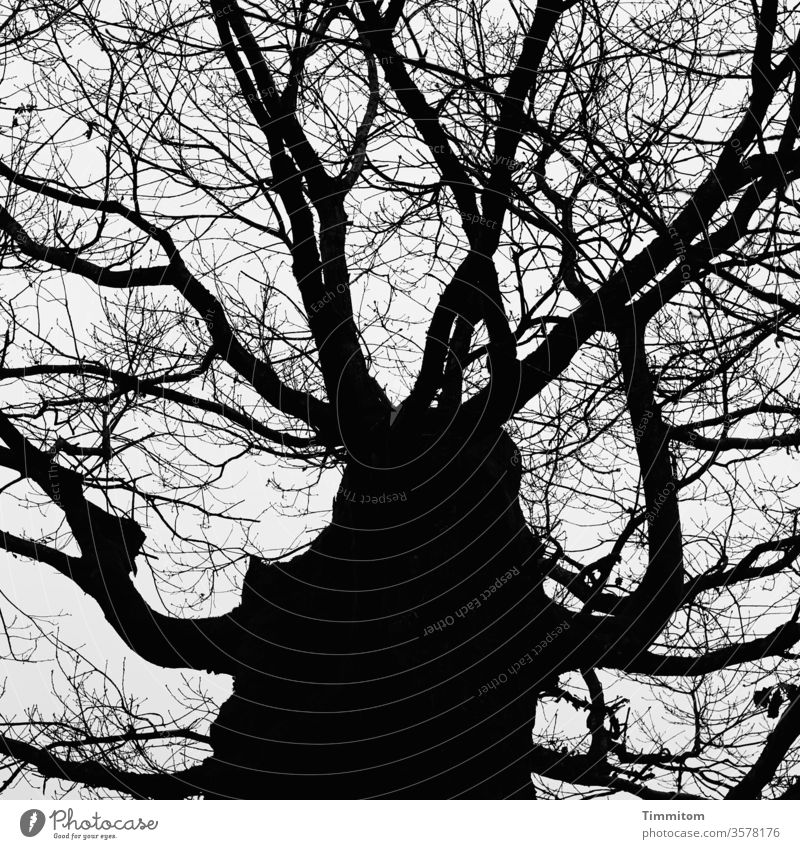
{"x": 320, "y": 269}
{"x": 735, "y": 443}
{"x": 745, "y": 569}
{"x": 42, "y": 552}
{"x": 590, "y": 770}
{"x": 779, "y": 741}
{"x": 661, "y": 589}
{"x": 358, "y": 153}
{"x": 512, "y": 119}
{"x": 109, "y": 547}
{"x": 153, "y": 387}
{"x": 608, "y": 304}
{"x": 167, "y": 785}
{"x": 422, "y": 115}
{"x": 649, "y": 663}
{"x": 258, "y": 373}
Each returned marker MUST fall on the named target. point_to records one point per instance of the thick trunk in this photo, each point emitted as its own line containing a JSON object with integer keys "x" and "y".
{"x": 377, "y": 664}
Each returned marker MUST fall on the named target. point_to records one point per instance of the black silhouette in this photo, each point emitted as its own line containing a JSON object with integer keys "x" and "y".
{"x": 564, "y": 236}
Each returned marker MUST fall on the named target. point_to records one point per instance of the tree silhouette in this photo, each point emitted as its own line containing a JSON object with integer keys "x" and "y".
{"x": 518, "y": 282}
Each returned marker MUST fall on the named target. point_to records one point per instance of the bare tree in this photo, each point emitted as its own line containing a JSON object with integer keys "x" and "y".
{"x": 518, "y": 282}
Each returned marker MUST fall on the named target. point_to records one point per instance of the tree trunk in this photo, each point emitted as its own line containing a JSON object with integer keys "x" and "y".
{"x": 379, "y": 662}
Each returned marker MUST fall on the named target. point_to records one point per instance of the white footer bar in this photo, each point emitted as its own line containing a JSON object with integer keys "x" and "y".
{"x": 399, "y": 825}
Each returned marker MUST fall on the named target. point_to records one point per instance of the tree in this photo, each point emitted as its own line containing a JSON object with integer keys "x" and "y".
{"x": 522, "y": 279}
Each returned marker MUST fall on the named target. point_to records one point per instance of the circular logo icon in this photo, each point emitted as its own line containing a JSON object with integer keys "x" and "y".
{"x": 31, "y": 822}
